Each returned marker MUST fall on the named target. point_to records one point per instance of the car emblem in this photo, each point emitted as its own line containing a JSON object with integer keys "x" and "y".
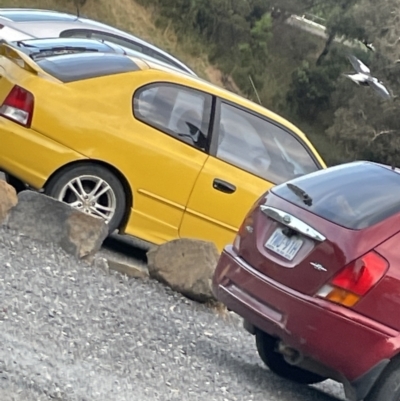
{"x": 318, "y": 266}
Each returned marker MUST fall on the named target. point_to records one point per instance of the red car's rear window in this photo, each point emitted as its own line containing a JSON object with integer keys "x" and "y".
{"x": 354, "y": 195}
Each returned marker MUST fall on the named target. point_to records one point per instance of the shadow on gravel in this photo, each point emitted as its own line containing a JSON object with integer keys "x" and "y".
{"x": 258, "y": 376}
{"x": 126, "y": 246}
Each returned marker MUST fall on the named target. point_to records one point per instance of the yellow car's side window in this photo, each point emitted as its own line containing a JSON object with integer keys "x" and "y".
{"x": 181, "y": 112}
{"x": 260, "y": 147}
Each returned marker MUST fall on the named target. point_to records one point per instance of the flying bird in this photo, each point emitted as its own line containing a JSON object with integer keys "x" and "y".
{"x": 369, "y": 46}
{"x": 363, "y": 77}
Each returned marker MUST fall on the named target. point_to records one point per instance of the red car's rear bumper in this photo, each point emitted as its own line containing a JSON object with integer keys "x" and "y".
{"x": 347, "y": 343}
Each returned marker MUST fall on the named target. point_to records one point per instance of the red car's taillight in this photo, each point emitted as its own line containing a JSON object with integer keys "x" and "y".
{"x": 18, "y": 106}
{"x": 355, "y": 280}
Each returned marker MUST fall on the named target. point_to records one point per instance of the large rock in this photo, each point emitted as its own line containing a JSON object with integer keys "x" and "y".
{"x": 46, "y": 219}
{"x": 185, "y": 265}
{"x": 8, "y": 199}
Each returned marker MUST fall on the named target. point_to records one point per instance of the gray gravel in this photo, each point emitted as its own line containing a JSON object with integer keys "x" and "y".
{"x": 69, "y": 332}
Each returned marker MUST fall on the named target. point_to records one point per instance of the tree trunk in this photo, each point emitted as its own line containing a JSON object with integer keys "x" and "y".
{"x": 327, "y": 47}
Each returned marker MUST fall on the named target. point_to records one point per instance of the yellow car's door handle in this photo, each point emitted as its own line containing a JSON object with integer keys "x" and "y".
{"x": 223, "y": 186}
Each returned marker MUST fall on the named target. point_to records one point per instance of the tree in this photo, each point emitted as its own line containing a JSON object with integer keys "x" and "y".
{"x": 364, "y": 125}
{"x": 341, "y": 22}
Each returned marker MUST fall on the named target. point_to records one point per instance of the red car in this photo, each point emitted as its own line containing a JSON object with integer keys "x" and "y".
{"x": 315, "y": 273}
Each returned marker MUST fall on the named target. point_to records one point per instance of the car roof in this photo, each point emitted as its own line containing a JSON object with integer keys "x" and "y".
{"x": 47, "y": 23}
{"x": 30, "y": 14}
{"x": 207, "y": 86}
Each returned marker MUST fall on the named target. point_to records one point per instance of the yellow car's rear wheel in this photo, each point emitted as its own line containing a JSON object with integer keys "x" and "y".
{"x": 93, "y": 189}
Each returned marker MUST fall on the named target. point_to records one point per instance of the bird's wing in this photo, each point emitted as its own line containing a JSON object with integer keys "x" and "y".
{"x": 380, "y": 89}
{"x": 359, "y": 66}
{"x": 357, "y": 78}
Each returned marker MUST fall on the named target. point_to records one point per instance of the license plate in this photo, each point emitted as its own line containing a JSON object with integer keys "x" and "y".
{"x": 283, "y": 245}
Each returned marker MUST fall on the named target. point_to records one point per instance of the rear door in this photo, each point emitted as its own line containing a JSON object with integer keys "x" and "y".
{"x": 249, "y": 155}
{"x": 174, "y": 124}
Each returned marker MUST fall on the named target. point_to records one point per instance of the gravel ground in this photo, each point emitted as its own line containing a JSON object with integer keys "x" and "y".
{"x": 69, "y": 332}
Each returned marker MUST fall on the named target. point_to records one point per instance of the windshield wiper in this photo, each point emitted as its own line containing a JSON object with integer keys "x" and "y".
{"x": 303, "y": 195}
{"x": 21, "y": 43}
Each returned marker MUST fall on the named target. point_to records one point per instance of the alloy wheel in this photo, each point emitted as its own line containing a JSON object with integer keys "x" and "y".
{"x": 91, "y": 195}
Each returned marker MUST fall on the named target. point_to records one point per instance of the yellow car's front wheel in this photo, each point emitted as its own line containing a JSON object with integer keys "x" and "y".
{"x": 93, "y": 189}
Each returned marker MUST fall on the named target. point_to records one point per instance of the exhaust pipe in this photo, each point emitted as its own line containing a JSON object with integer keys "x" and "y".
{"x": 291, "y": 355}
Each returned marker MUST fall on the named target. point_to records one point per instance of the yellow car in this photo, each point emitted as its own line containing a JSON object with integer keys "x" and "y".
{"x": 159, "y": 154}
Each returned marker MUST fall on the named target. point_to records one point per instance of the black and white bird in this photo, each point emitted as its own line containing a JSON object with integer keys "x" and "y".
{"x": 369, "y": 46}
{"x": 363, "y": 77}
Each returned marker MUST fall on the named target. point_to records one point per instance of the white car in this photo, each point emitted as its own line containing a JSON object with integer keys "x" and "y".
{"x": 23, "y": 23}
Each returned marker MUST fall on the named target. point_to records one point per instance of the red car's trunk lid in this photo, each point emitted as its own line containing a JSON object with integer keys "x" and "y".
{"x": 315, "y": 258}
{"x": 302, "y": 245}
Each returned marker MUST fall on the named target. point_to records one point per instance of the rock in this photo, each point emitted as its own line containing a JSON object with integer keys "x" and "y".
{"x": 49, "y": 220}
{"x": 186, "y": 265}
{"x": 8, "y": 199}
{"x": 129, "y": 269}
{"x": 101, "y": 263}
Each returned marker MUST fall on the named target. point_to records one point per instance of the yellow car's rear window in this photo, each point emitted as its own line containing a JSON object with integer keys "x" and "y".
{"x": 79, "y": 66}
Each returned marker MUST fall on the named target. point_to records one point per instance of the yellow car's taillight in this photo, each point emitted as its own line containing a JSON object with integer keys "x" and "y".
{"x": 18, "y": 106}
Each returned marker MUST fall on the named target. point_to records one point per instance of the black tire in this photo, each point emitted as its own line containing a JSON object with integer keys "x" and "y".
{"x": 277, "y": 364}
{"x": 387, "y": 388}
{"x": 56, "y": 185}
{"x": 18, "y": 185}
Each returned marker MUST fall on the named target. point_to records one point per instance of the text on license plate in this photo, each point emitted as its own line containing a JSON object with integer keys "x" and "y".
{"x": 283, "y": 245}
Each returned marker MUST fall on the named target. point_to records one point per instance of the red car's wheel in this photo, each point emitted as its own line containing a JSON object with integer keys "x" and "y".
{"x": 277, "y": 364}
{"x": 387, "y": 388}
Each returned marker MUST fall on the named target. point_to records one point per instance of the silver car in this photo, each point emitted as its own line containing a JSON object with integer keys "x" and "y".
{"x": 23, "y": 23}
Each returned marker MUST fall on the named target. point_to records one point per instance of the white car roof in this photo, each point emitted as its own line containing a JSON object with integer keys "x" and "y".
{"x": 19, "y": 24}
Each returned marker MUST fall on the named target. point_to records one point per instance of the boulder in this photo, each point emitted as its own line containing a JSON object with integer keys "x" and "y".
{"x": 186, "y": 265}
{"x": 46, "y": 219}
{"x": 8, "y": 199}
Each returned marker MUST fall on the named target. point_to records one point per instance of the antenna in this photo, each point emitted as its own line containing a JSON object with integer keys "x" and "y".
{"x": 79, "y": 4}
{"x": 255, "y": 89}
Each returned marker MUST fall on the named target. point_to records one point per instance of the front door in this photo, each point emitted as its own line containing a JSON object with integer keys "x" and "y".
{"x": 252, "y": 155}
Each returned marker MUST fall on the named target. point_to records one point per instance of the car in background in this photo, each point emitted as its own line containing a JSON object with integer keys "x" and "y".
{"x": 20, "y": 23}
{"x": 37, "y": 48}
{"x": 157, "y": 153}
{"x": 315, "y": 272}
{"x": 40, "y": 48}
